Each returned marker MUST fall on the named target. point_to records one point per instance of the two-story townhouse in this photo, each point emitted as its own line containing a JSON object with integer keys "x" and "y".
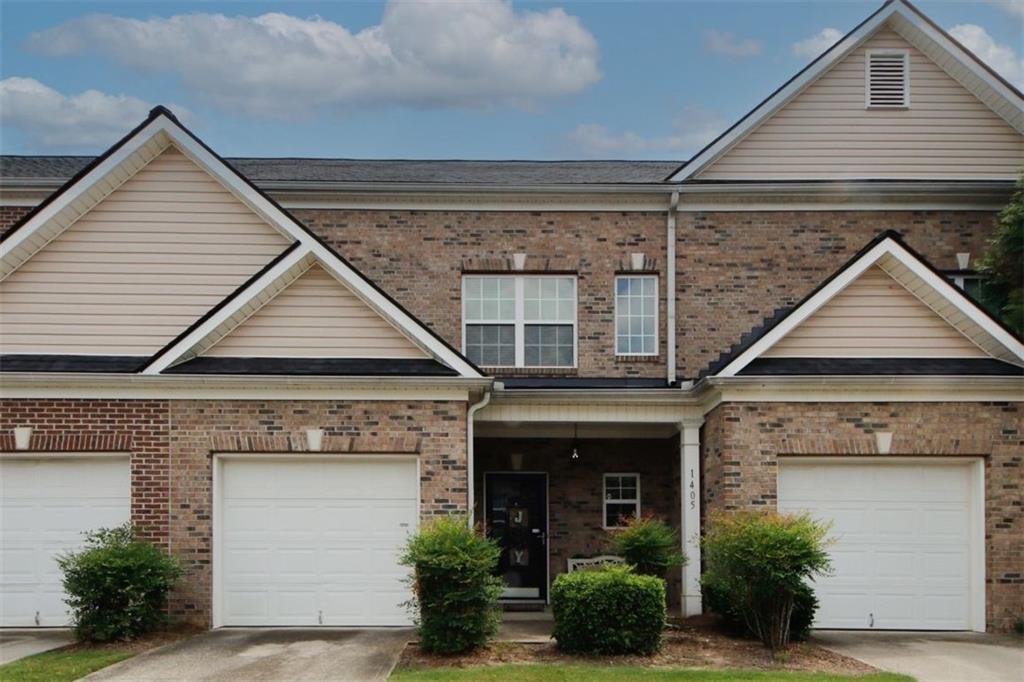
{"x": 277, "y": 368}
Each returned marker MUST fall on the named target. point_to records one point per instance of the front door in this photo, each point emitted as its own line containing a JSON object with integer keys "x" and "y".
{"x": 517, "y": 519}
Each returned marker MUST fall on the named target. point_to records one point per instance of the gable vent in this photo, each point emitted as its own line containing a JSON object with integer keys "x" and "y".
{"x": 888, "y": 79}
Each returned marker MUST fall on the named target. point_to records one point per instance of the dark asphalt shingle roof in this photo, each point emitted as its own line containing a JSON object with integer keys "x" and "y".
{"x": 376, "y": 170}
{"x": 881, "y": 366}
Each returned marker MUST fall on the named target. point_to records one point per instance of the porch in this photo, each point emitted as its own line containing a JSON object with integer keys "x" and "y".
{"x": 551, "y": 482}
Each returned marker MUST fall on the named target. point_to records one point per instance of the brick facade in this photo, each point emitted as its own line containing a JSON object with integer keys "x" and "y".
{"x": 10, "y": 215}
{"x": 733, "y": 268}
{"x": 575, "y": 489}
{"x": 138, "y": 427}
{"x": 741, "y": 443}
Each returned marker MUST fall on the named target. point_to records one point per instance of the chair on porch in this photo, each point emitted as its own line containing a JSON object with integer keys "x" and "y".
{"x": 595, "y": 562}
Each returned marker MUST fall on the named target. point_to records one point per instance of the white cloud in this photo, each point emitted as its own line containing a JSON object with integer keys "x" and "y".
{"x": 423, "y": 54}
{"x": 693, "y": 128}
{"x": 1001, "y": 58}
{"x": 816, "y": 44}
{"x": 87, "y": 120}
{"x": 1014, "y": 7}
{"x": 723, "y": 42}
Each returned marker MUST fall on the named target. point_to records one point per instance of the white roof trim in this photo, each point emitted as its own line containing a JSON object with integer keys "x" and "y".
{"x": 906, "y": 15}
{"x": 886, "y": 247}
{"x": 166, "y": 129}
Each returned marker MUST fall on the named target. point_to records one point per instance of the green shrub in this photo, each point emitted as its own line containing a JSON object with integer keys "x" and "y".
{"x": 717, "y": 600}
{"x": 455, "y": 590}
{"x": 610, "y": 610}
{"x": 117, "y": 585}
{"x": 757, "y": 568}
{"x": 649, "y": 545}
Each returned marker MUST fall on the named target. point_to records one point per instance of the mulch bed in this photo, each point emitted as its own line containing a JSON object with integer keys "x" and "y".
{"x": 136, "y": 646}
{"x": 690, "y": 644}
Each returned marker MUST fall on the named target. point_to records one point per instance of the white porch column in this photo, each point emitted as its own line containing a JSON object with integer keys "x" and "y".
{"x": 689, "y": 477}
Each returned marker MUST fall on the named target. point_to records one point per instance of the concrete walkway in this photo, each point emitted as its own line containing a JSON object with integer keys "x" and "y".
{"x": 17, "y": 643}
{"x": 938, "y": 657}
{"x": 268, "y": 656}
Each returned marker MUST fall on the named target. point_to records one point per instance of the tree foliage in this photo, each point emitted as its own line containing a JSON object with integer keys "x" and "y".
{"x": 1002, "y": 265}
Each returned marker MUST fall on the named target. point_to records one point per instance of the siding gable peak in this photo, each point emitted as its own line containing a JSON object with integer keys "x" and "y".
{"x": 968, "y": 122}
{"x": 886, "y": 302}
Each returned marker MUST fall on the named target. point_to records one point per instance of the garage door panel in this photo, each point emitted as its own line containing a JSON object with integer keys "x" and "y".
{"x": 902, "y": 557}
{"x": 46, "y": 506}
{"x": 331, "y": 535}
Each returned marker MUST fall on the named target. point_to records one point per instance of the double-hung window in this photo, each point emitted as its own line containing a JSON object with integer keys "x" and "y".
{"x": 519, "y": 321}
{"x": 636, "y": 315}
{"x": 621, "y": 498}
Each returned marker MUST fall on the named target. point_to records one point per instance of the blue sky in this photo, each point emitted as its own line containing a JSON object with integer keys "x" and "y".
{"x": 416, "y": 80}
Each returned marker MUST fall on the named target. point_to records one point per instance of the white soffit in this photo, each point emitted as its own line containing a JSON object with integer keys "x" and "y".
{"x": 932, "y": 289}
{"x": 917, "y": 29}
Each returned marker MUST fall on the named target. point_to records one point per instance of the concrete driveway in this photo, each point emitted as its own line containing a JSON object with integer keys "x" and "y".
{"x": 929, "y": 657}
{"x": 268, "y": 655}
{"x": 17, "y": 643}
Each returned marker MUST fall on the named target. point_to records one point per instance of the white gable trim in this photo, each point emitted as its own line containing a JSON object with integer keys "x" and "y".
{"x": 886, "y": 247}
{"x": 906, "y": 16}
{"x": 162, "y": 130}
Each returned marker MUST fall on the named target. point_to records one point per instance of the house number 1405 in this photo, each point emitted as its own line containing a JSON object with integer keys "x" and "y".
{"x": 693, "y": 492}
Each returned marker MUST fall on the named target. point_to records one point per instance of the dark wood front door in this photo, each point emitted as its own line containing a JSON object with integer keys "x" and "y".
{"x": 517, "y": 519}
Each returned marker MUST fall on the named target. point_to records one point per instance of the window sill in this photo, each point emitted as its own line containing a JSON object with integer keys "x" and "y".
{"x": 530, "y": 371}
{"x": 637, "y": 359}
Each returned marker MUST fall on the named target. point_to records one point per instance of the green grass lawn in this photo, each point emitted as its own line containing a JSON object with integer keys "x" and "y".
{"x": 610, "y": 673}
{"x": 60, "y": 665}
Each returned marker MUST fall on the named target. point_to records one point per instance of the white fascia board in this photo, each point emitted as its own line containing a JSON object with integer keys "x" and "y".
{"x": 785, "y": 94}
{"x": 951, "y": 293}
{"x": 325, "y": 259}
{"x": 852, "y": 272}
{"x": 204, "y": 387}
{"x": 845, "y": 389}
{"x": 965, "y": 58}
{"x": 809, "y": 307}
{"x": 75, "y": 192}
{"x": 174, "y": 353}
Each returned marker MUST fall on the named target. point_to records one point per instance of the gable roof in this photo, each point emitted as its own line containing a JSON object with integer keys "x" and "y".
{"x": 105, "y": 173}
{"x": 959, "y": 62}
{"x": 892, "y": 254}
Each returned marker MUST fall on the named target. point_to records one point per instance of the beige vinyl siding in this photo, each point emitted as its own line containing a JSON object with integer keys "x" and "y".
{"x": 875, "y": 316}
{"x": 316, "y": 316}
{"x": 827, "y": 132}
{"x": 139, "y": 268}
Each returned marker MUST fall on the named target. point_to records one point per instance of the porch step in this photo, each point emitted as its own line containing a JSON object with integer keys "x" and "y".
{"x": 512, "y": 607}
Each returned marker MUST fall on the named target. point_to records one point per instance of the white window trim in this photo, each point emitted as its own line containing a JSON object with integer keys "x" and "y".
{"x": 604, "y": 497}
{"x": 657, "y": 321}
{"x": 520, "y": 321}
{"x": 905, "y": 53}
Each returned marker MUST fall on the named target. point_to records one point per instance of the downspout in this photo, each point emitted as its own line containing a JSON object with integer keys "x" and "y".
{"x": 670, "y": 290}
{"x": 470, "y": 414}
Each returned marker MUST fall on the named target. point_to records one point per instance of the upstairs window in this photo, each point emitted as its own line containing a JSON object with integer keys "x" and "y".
{"x": 636, "y": 315}
{"x": 519, "y": 321}
{"x": 887, "y": 79}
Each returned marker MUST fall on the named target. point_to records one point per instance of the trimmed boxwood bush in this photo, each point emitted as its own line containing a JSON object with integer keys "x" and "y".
{"x": 117, "y": 585}
{"x": 649, "y": 545}
{"x": 454, "y": 587}
{"x": 757, "y": 568}
{"x": 610, "y": 610}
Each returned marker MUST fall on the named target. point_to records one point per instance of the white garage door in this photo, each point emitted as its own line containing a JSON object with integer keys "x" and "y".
{"x": 45, "y": 506}
{"x": 904, "y": 552}
{"x": 315, "y": 541}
